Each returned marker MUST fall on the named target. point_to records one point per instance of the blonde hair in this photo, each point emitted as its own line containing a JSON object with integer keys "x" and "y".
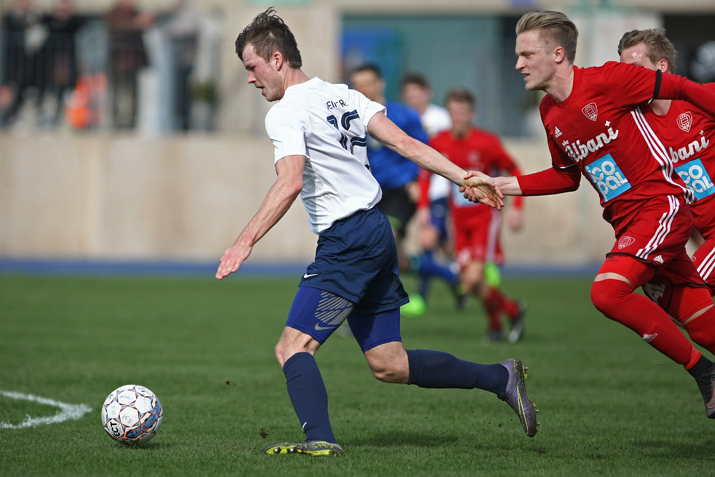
{"x": 658, "y": 45}
{"x": 555, "y": 27}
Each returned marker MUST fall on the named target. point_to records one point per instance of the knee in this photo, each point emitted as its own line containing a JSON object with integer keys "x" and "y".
{"x": 598, "y": 297}
{"x": 687, "y": 304}
{"x": 472, "y": 282}
{"x": 607, "y": 294}
{"x": 390, "y": 371}
{"x": 279, "y": 350}
{"x": 386, "y": 374}
{"x": 284, "y": 352}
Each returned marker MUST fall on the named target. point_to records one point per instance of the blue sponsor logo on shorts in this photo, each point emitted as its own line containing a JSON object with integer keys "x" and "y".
{"x": 608, "y": 177}
{"x": 696, "y": 178}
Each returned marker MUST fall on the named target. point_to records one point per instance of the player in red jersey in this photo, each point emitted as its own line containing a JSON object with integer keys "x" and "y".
{"x": 686, "y": 131}
{"x": 595, "y": 128}
{"x": 476, "y": 237}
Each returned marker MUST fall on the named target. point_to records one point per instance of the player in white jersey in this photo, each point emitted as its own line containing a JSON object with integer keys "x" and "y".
{"x": 318, "y": 130}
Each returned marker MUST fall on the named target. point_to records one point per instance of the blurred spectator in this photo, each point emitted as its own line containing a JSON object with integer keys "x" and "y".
{"x": 24, "y": 67}
{"x": 182, "y": 30}
{"x": 61, "y": 56}
{"x": 127, "y": 56}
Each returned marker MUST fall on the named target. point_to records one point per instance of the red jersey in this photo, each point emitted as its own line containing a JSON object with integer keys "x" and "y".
{"x": 600, "y": 130}
{"x": 480, "y": 151}
{"x": 687, "y": 131}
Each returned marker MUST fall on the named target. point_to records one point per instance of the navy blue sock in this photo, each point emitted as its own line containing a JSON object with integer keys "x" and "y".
{"x": 425, "y": 266}
{"x": 423, "y": 288}
{"x": 309, "y": 397}
{"x": 436, "y": 369}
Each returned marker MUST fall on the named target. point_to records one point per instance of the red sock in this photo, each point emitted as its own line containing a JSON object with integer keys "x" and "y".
{"x": 687, "y": 302}
{"x": 509, "y": 306}
{"x": 493, "y": 306}
{"x": 615, "y": 299}
{"x": 702, "y": 330}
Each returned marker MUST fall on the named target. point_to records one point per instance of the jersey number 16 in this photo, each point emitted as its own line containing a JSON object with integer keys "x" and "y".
{"x": 345, "y": 123}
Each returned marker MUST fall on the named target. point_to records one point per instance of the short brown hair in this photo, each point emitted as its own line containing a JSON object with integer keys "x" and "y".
{"x": 461, "y": 95}
{"x": 659, "y": 47}
{"x": 269, "y": 33}
{"x": 558, "y": 30}
{"x": 415, "y": 78}
{"x": 371, "y": 67}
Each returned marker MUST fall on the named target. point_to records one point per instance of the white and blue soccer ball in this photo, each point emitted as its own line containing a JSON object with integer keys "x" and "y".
{"x": 132, "y": 414}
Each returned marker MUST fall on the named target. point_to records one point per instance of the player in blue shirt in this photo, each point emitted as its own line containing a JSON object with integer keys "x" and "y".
{"x": 397, "y": 175}
{"x": 318, "y": 130}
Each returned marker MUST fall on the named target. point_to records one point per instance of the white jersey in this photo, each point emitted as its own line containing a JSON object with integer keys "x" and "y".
{"x": 435, "y": 120}
{"x": 327, "y": 123}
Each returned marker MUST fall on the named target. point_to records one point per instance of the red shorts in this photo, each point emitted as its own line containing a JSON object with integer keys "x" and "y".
{"x": 704, "y": 262}
{"x": 657, "y": 235}
{"x": 704, "y": 217}
{"x": 477, "y": 239}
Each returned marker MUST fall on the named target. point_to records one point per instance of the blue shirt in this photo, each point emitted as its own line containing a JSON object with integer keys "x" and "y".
{"x": 389, "y": 168}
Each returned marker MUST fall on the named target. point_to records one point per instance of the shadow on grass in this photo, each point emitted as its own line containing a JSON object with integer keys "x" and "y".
{"x": 664, "y": 449}
{"x": 404, "y": 438}
{"x": 144, "y": 447}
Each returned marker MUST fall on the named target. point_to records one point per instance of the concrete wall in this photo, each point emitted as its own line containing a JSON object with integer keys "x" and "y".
{"x": 142, "y": 198}
{"x": 187, "y": 198}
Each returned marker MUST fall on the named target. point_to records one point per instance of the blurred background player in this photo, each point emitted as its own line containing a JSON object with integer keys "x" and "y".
{"x": 686, "y": 131}
{"x": 432, "y": 222}
{"x": 24, "y": 62}
{"x": 595, "y": 128}
{"x": 397, "y": 175}
{"x": 417, "y": 93}
{"x": 477, "y": 228}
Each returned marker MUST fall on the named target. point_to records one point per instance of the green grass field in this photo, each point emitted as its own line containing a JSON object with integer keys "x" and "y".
{"x": 610, "y": 405}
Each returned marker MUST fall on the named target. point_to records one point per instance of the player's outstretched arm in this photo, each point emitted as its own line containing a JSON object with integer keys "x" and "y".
{"x": 277, "y": 202}
{"x": 388, "y": 134}
{"x": 680, "y": 87}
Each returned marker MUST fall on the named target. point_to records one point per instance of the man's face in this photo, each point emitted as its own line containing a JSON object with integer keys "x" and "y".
{"x": 368, "y": 84}
{"x": 535, "y": 60}
{"x": 638, "y": 55}
{"x": 416, "y": 96}
{"x": 461, "y": 114}
{"x": 263, "y": 74}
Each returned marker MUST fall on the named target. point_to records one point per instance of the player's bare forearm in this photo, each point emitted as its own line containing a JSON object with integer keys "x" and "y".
{"x": 388, "y": 134}
{"x": 508, "y": 185}
{"x": 277, "y": 202}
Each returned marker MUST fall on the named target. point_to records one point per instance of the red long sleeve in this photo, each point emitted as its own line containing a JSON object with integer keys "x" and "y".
{"x": 550, "y": 181}
{"x": 680, "y": 87}
{"x": 423, "y": 180}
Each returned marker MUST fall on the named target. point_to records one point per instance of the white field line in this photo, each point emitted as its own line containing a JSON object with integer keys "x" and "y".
{"x": 67, "y": 411}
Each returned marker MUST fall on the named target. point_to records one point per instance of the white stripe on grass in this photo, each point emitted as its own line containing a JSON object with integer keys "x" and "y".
{"x": 67, "y": 411}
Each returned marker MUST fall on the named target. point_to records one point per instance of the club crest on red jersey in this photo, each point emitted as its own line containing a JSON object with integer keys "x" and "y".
{"x": 591, "y": 111}
{"x": 625, "y": 241}
{"x": 685, "y": 121}
{"x": 474, "y": 159}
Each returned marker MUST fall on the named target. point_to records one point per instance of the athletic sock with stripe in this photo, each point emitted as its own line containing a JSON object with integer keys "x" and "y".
{"x": 309, "y": 397}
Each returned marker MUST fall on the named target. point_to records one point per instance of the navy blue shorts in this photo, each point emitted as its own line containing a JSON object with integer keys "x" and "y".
{"x": 439, "y": 208}
{"x": 319, "y": 313}
{"x": 356, "y": 259}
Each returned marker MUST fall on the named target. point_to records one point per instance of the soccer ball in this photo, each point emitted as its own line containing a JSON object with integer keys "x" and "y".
{"x": 132, "y": 414}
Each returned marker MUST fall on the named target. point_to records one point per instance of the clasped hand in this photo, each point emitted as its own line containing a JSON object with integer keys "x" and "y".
{"x": 479, "y": 187}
